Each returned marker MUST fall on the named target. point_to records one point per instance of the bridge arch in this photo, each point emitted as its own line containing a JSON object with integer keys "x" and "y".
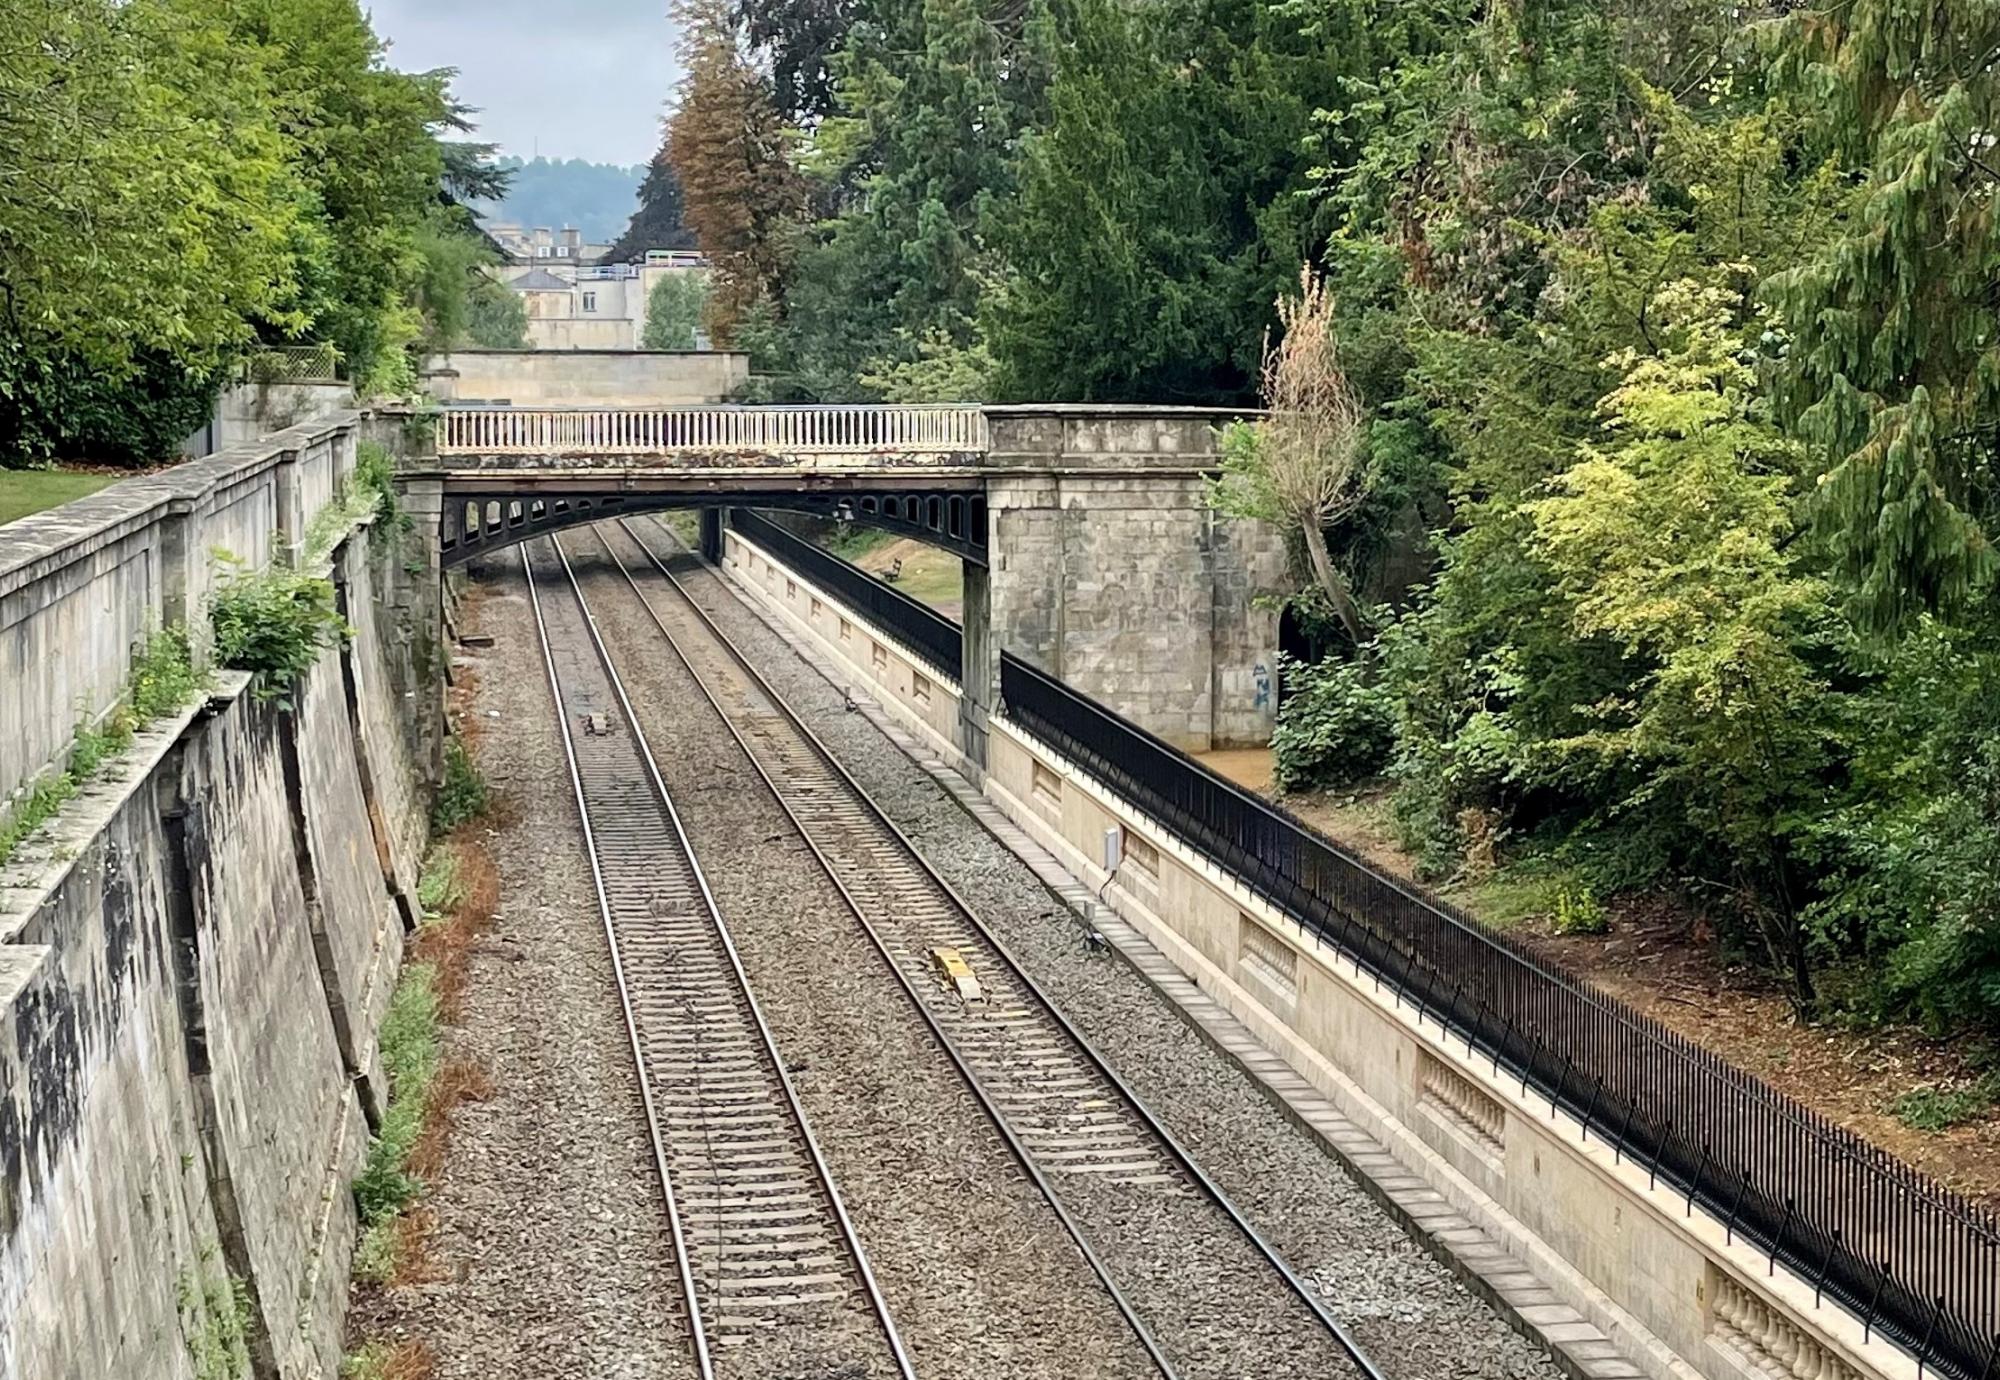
{"x": 474, "y": 523}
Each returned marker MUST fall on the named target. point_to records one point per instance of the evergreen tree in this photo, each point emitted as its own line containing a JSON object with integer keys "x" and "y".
{"x": 1893, "y": 370}
{"x": 1158, "y": 216}
{"x": 730, "y": 152}
{"x": 657, "y": 224}
{"x": 799, "y": 40}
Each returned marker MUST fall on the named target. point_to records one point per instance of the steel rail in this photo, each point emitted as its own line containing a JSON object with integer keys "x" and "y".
{"x": 1144, "y": 1114}
{"x": 796, "y": 1108}
{"x": 1036, "y": 1175}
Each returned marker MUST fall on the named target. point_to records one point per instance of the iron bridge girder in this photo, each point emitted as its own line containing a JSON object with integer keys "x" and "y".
{"x": 475, "y": 521}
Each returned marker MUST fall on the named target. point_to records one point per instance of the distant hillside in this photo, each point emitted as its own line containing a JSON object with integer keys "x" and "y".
{"x": 597, "y": 198}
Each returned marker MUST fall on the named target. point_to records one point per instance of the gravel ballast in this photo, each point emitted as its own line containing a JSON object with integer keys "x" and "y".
{"x": 1217, "y": 1307}
{"x": 1417, "y": 1320}
{"x": 549, "y": 1255}
{"x": 977, "y": 1271}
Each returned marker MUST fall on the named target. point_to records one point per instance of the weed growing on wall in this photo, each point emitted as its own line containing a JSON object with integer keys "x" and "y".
{"x": 214, "y": 1322}
{"x": 163, "y": 679}
{"x": 462, "y": 794}
{"x": 375, "y": 480}
{"x": 275, "y": 625}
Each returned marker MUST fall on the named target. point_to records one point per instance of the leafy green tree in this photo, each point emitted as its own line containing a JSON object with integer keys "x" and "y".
{"x": 674, "y": 311}
{"x": 1671, "y": 543}
{"x": 496, "y": 319}
{"x": 146, "y": 211}
{"x": 367, "y": 149}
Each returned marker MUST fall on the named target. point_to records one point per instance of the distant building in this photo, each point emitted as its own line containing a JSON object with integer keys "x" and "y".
{"x": 540, "y": 244}
{"x": 578, "y": 306}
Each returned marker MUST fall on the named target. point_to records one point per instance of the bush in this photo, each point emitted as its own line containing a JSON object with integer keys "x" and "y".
{"x": 275, "y": 625}
{"x": 1940, "y": 1109}
{"x": 1575, "y": 909}
{"x": 58, "y": 407}
{"x": 1335, "y": 728}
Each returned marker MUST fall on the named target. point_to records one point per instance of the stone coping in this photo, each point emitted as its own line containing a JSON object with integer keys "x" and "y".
{"x": 33, "y": 546}
{"x": 45, "y": 859}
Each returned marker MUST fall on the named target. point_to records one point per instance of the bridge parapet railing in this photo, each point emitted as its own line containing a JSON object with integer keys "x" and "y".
{"x": 717, "y": 430}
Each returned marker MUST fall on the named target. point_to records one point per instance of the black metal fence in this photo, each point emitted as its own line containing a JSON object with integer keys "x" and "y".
{"x": 916, "y": 625}
{"x": 1912, "y": 1259}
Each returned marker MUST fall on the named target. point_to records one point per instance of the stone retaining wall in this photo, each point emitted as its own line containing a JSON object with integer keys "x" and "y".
{"x": 196, "y": 956}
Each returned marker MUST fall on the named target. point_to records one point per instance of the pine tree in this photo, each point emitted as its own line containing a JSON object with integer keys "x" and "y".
{"x": 657, "y": 224}
{"x": 1893, "y": 370}
{"x": 743, "y": 199}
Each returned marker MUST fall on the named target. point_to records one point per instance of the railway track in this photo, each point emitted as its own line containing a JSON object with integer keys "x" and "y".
{"x": 773, "y": 1275}
{"x": 1135, "y": 1202}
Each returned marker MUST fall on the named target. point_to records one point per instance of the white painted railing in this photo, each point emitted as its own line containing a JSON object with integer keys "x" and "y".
{"x": 656, "y": 431}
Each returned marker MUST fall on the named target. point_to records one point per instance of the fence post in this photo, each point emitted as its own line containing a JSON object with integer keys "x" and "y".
{"x": 1729, "y": 1224}
{"x": 1930, "y": 1335}
{"x": 1778, "y": 1241}
{"x": 1825, "y": 1264}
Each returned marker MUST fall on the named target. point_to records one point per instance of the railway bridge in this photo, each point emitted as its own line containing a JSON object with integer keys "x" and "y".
{"x": 1086, "y": 542}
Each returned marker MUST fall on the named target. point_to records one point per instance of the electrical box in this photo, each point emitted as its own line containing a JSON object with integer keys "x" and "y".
{"x": 1114, "y": 848}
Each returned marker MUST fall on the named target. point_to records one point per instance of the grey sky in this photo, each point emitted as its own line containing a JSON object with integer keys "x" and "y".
{"x": 586, "y": 79}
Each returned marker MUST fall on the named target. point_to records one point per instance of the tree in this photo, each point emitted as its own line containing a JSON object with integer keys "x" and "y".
{"x": 1674, "y": 544}
{"x": 799, "y": 39}
{"x": 1893, "y": 374}
{"x": 496, "y": 319}
{"x": 1159, "y": 210}
{"x": 729, "y": 150}
{"x": 1302, "y": 466}
{"x": 674, "y": 311}
{"x": 367, "y": 150}
{"x": 147, "y": 211}
{"x": 657, "y": 224}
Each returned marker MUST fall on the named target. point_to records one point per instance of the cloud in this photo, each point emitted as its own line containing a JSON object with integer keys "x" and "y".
{"x": 587, "y": 79}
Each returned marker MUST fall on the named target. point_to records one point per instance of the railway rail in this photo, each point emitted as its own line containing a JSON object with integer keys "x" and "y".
{"x": 1135, "y": 1201}
{"x": 773, "y": 1274}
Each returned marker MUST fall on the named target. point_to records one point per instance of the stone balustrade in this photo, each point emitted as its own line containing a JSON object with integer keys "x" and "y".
{"x": 726, "y": 431}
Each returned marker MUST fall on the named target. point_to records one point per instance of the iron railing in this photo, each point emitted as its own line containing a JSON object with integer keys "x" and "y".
{"x": 1912, "y": 1259}
{"x": 917, "y": 626}
{"x": 792, "y": 431}
{"x": 293, "y": 364}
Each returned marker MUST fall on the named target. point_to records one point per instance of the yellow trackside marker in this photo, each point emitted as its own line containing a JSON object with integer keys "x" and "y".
{"x": 957, "y": 975}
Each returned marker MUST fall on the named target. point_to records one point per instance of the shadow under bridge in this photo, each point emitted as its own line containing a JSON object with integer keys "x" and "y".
{"x": 512, "y": 473}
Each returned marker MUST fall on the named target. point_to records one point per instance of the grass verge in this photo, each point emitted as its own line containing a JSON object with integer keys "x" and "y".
{"x": 406, "y": 1158}
{"x": 26, "y": 492}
